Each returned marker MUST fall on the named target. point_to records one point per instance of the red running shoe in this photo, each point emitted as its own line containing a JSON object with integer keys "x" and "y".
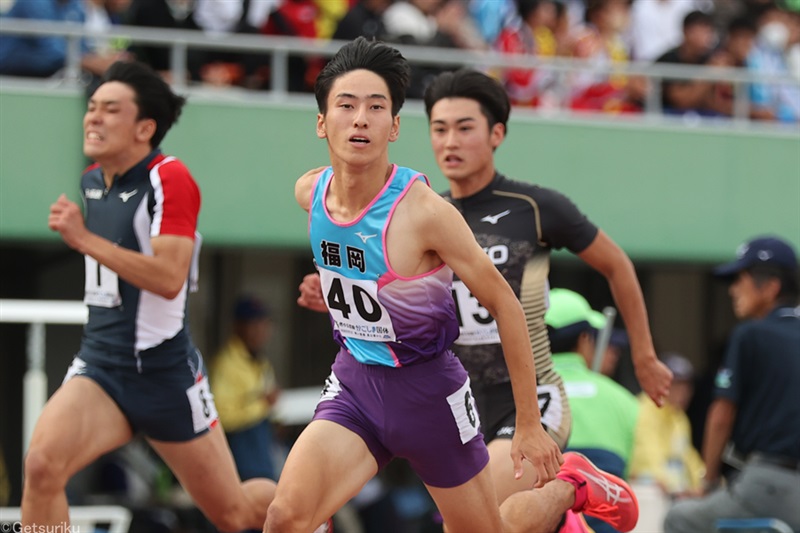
{"x": 608, "y": 497}
{"x": 574, "y": 523}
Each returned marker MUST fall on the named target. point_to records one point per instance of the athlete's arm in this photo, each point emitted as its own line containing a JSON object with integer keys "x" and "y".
{"x": 164, "y": 273}
{"x": 606, "y": 257}
{"x": 441, "y": 228}
{"x": 311, "y": 294}
{"x": 719, "y": 425}
{"x": 303, "y": 186}
{"x": 310, "y": 288}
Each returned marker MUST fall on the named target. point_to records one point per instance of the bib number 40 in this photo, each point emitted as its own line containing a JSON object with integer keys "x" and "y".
{"x": 355, "y": 308}
{"x": 366, "y": 306}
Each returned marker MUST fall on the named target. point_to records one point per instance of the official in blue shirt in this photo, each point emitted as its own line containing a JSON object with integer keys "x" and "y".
{"x": 754, "y": 421}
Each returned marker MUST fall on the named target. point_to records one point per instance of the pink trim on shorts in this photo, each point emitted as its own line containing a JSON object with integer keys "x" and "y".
{"x": 397, "y": 363}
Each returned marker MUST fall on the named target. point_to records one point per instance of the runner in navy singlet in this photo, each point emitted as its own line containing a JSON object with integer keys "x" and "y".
{"x": 137, "y": 371}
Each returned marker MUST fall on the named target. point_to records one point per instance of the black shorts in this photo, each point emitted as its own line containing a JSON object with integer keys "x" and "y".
{"x": 172, "y": 404}
{"x": 499, "y": 413}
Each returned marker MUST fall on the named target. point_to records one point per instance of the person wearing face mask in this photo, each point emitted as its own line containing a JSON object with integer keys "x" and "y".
{"x": 768, "y": 57}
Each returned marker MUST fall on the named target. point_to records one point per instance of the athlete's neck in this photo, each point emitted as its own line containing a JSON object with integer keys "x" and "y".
{"x": 121, "y": 163}
{"x": 352, "y": 189}
{"x": 463, "y": 187}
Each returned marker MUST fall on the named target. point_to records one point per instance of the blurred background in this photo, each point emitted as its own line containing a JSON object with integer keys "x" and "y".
{"x": 673, "y": 124}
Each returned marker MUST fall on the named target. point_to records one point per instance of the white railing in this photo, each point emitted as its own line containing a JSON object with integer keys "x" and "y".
{"x": 38, "y": 313}
{"x": 294, "y": 406}
{"x": 281, "y": 48}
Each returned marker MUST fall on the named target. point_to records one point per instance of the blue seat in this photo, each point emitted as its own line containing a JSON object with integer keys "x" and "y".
{"x": 752, "y": 525}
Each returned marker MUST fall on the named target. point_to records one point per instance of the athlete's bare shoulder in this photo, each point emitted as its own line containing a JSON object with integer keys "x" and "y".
{"x": 426, "y": 211}
{"x": 303, "y": 186}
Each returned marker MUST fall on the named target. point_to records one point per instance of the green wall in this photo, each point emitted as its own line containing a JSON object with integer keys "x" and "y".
{"x": 662, "y": 193}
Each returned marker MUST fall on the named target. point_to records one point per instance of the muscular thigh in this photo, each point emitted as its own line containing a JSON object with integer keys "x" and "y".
{"x": 80, "y": 422}
{"x": 502, "y": 469}
{"x": 326, "y": 467}
{"x": 205, "y": 468}
{"x": 471, "y": 507}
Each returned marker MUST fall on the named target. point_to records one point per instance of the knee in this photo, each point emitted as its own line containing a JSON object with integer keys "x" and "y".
{"x": 283, "y": 519}
{"x": 230, "y": 520}
{"x": 43, "y": 471}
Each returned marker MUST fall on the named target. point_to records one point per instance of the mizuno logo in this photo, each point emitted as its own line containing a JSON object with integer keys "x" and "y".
{"x": 125, "y": 196}
{"x": 492, "y": 219}
{"x": 364, "y": 238}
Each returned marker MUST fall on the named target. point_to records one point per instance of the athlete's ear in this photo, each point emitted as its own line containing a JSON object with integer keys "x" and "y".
{"x": 497, "y": 135}
{"x": 394, "y": 133}
{"x": 145, "y": 129}
{"x": 321, "y": 133}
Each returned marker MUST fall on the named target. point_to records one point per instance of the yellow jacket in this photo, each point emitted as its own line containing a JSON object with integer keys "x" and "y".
{"x": 663, "y": 451}
{"x": 240, "y": 385}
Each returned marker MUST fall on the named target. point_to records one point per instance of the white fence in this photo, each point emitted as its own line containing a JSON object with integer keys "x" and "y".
{"x": 281, "y": 48}
{"x": 38, "y": 313}
{"x": 294, "y": 407}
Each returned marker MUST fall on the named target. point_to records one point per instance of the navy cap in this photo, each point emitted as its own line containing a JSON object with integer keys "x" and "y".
{"x": 760, "y": 251}
{"x": 249, "y": 307}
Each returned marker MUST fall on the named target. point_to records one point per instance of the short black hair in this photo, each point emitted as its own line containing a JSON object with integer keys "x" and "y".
{"x": 563, "y": 340}
{"x": 741, "y": 24}
{"x": 697, "y": 18}
{"x": 526, "y": 7}
{"x": 595, "y": 6}
{"x": 375, "y": 56}
{"x": 154, "y": 97}
{"x": 790, "y": 288}
{"x": 468, "y": 83}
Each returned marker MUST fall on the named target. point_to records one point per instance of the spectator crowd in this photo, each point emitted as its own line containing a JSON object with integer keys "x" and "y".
{"x": 759, "y": 36}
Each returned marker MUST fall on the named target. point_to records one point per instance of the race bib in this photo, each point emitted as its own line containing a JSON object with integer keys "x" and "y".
{"x": 550, "y": 406}
{"x": 476, "y": 325}
{"x": 355, "y": 308}
{"x": 201, "y": 401}
{"x": 102, "y": 285}
{"x": 465, "y": 413}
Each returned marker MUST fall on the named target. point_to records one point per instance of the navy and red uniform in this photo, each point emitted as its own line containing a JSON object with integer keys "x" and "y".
{"x": 136, "y": 344}
{"x": 517, "y": 224}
